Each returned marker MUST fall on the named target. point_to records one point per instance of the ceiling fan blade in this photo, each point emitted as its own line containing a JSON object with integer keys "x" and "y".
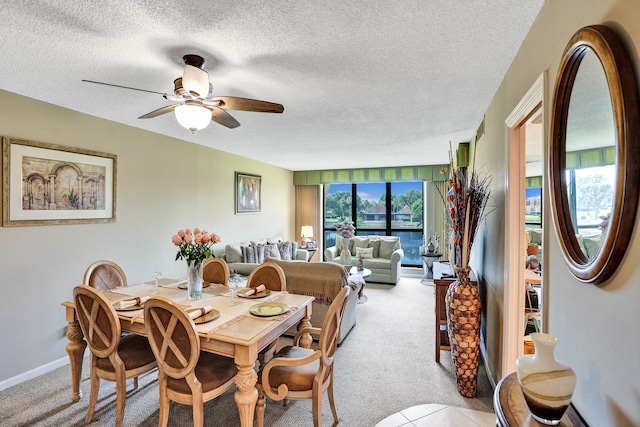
{"x": 245, "y": 104}
{"x": 159, "y": 112}
{"x": 220, "y": 116}
{"x": 126, "y": 87}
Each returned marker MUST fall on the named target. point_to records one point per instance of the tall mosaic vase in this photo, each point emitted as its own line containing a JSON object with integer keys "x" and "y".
{"x": 194, "y": 280}
{"x": 463, "y": 320}
{"x": 547, "y": 384}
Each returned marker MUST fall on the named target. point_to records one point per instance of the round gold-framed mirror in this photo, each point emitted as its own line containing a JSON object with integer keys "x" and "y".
{"x": 594, "y": 153}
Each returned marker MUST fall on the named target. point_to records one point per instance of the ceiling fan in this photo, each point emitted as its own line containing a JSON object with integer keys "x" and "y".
{"x": 195, "y": 104}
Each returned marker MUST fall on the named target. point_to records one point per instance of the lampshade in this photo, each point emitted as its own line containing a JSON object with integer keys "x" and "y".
{"x": 195, "y": 81}
{"x": 193, "y": 117}
{"x": 307, "y": 231}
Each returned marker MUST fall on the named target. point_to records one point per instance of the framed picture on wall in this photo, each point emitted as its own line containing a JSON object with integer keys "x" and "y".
{"x": 248, "y": 193}
{"x": 49, "y": 184}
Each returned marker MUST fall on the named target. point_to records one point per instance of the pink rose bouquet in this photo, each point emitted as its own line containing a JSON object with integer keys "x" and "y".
{"x": 194, "y": 246}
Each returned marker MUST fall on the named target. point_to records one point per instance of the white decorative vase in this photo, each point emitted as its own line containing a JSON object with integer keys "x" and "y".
{"x": 547, "y": 384}
{"x": 345, "y": 254}
{"x": 194, "y": 280}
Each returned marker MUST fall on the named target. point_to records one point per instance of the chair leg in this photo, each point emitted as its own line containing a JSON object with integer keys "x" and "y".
{"x": 317, "y": 405}
{"x": 260, "y": 406}
{"x": 332, "y": 401}
{"x": 93, "y": 396}
{"x": 198, "y": 409}
{"x": 163, "y": 416}
{"x": 135, "y": 382}
{"x": 121, "y": 395}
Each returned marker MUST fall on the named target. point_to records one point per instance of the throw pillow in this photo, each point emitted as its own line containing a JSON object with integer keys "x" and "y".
{"x": 360, "y": 242}
{"x": 259, "y": 242}
{"x": 294, "y": 250}
{"x": 274, "y": 239}
{"x": 271, "y": 251}
{"x": 592, "y": 245}
{"x": 249, "y": 254}
{"x": 375, "y": 245}
{"x": 285, "y": 250}
{"x": 233, "y": 253}
{"x": 339, "y": 243}
{"x": 386, "y": 248}
{"x": 259, "y": 249}
{"x": 364, "y": 252}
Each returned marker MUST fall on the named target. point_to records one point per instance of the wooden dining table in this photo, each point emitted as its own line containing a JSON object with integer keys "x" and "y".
{"x": 236, "y": 333}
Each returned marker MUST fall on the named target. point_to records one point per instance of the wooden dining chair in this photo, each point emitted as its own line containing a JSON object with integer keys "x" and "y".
{"x": 104, "y": 276}
{"x": 216, "y": 270}
{"x": 186, "y": 374}
{"x": 272, "y": 276}
{"x": 299, "y": 373}
{"x": 269, "y": 274}
{"x": 113, "y": 357}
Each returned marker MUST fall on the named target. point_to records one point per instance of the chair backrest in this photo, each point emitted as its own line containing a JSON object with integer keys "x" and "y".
{"x": 173, "y": 338}
{"x": 98, "y": 320}
{"x": 104, "y": 276}
{"x": 329, "y": 337}
{"x": 215, "y": 270}
{"x": 269, "y": 274}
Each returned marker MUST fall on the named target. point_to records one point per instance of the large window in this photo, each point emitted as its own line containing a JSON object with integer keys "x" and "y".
{"x": 386, "y": 209}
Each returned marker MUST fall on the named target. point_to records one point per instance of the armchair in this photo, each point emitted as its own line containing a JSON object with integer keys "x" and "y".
{"x": 299, "y": 373}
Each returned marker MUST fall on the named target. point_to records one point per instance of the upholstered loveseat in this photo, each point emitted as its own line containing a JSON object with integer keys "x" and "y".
{"x": 244, "y": 257}
{"x": 322, "y": 280}
{"x": 381, "y": 254}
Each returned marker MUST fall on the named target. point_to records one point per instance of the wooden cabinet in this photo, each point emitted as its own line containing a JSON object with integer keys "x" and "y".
{"x": 441, "y": 283}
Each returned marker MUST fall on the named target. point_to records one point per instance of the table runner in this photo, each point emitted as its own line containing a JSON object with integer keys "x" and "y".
{"x": 228, "y": 314}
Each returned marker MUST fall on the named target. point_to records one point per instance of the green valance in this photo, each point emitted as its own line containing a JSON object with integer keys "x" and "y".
{"x": 591, "y": 158}
{"x": 534, "y": 181}
{"x": 393, "y": 174}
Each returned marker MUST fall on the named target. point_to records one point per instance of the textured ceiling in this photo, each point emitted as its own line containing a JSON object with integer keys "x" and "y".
{"x": 363, "y": 83}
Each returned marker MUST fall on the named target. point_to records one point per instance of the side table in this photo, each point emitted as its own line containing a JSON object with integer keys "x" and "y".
{"x": 512, "y": 410}
{"x": 427, "y": 263}
{"x": 364, "y": 272}
{"x": 312, "y": 252}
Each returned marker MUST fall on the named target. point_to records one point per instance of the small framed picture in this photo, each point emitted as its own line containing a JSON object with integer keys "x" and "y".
{"x": 312, "y": 244}
{"x": 248, "y": 193}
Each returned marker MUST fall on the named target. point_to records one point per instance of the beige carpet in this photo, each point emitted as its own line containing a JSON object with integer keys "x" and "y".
{"x": 386, "y": 364}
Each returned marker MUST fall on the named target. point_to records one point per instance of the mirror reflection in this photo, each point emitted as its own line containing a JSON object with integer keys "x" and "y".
{"x": 590, "y": 156}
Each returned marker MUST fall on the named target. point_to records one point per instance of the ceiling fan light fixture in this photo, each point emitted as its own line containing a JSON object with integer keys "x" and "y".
{"x": 193, "y": 117}
{"x": 195, "y": 81}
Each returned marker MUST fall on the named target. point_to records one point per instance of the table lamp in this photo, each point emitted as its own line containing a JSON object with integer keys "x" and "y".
{"x": 306, "y": 233}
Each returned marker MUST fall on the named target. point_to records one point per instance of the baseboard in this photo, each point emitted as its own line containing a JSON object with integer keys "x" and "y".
{"x": 483, "y": 352}
{"x": 413, "y": 272}
{"x": 40, "y": 370}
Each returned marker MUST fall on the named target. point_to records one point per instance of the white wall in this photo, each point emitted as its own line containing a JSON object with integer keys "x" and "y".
{"x": 163, "y": 184}
{"x": 597, "y": 327}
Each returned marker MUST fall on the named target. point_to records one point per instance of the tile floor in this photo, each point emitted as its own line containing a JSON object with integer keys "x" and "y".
{"x": 435, "y": 415}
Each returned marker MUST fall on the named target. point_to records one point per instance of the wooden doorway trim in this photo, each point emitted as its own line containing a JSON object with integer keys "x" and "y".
{"x": 513, "y": 295}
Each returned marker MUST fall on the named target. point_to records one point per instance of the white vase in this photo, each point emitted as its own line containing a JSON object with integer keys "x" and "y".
{"x": 547, "y": 384}
{"x": 194, "y": 280}
{"x": 345, "y": 254}
{"x": 345, "y": 257}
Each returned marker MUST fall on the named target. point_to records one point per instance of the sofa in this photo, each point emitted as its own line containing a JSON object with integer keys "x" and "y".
{"x": 244, "y": 257}
{"x": 380, "y": 254}
{"x": 322, "y": 280}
